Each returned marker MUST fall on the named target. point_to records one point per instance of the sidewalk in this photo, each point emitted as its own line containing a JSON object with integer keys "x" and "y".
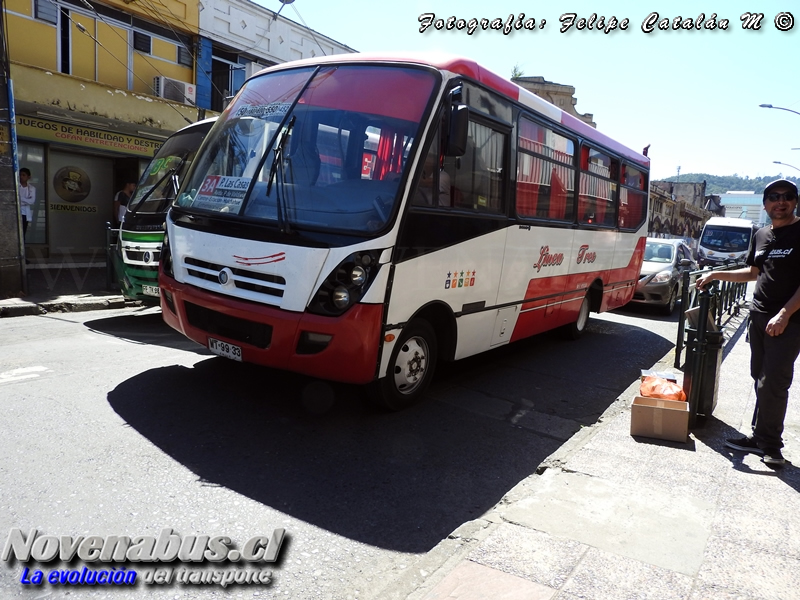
{"x": 64, "y": 286}
{"x": 611, "y": 517}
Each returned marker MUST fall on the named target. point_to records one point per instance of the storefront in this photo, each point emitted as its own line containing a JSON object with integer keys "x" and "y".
{"x": 76, "y": 170}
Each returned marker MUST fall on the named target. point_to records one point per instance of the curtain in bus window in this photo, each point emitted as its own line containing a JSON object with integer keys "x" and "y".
{"x": 389, "y": 159}
{"x": 545, "y": 187}
{"x": 595, "y": 198}
{"x": 528, "y": 186}
{"x": 558, "y": 200}
{"x": 631, "y": 208}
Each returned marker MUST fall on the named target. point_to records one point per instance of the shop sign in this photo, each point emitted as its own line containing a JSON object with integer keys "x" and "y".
{"x": 86, "y": 137}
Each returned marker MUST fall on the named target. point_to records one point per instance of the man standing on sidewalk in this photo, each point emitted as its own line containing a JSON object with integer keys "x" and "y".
{"x": 774, "y": 264}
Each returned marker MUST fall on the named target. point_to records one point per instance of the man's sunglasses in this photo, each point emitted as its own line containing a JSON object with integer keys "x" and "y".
{"x": 788, "y": 196}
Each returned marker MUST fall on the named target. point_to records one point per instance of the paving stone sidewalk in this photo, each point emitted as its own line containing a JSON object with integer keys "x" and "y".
{"x": 610, "y": 516}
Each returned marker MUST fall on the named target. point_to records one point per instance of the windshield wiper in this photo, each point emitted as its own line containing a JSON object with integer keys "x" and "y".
{"x": 276, "y": 171}
{"x": 172, "y": 172}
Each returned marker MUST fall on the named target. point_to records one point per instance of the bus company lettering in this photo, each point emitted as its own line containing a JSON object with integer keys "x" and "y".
{"x": 548, "y": 260}
{"x": 458, "y": 279}
{"x": 584, "y": 256}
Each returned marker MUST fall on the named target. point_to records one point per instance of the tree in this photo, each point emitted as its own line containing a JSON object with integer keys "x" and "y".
{"x": 516, "y": 71}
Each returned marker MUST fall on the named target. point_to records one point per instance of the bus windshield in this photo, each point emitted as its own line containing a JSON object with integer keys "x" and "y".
{"x": 320, "y": 148}
{"x": 159, "y": 183}
{"x": 726, "y": 239}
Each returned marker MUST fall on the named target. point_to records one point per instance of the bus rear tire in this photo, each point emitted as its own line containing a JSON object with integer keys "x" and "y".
{"x": 573, "y": 331}
{"x": 410, "y": 370}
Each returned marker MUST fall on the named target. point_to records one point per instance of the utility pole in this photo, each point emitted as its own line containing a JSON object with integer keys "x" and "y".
{"x": 12, "y": 248}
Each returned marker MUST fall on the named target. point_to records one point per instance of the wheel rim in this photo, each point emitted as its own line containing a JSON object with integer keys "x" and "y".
{"x": 673, "y": 300}
{"x": 410, "y": 365}
{"x": 583, "y": 316}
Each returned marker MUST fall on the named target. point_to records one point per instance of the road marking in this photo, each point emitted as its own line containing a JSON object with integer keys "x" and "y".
{"x": 20, "y": 374}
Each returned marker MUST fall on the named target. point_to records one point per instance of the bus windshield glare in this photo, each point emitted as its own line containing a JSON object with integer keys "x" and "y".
{"x": 318, "y": 148}
{"x": 159, "y": 184}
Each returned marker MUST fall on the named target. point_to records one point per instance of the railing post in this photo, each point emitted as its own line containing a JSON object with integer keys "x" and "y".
{"x": 698, "y": 357}
{"x": 682, "y": 318}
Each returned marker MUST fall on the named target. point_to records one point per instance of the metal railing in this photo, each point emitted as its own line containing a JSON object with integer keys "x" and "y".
{"x": 727, "y": 298}
{"x": 707, "y": 307}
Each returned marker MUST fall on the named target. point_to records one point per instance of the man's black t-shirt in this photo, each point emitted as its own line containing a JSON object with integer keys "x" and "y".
{"x": 776, "y": 254}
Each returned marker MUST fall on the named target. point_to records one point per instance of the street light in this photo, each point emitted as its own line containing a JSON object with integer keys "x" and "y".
{"x": 778, "y": 107}
{"x": 777, "y": 162}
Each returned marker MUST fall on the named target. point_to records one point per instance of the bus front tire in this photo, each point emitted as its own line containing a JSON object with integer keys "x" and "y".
{"x": 410, "y": 369}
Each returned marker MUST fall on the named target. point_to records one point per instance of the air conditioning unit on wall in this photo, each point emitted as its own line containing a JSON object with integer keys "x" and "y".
{"x": 172, "y": 89}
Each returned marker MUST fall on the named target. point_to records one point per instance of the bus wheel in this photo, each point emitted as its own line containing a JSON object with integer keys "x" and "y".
{"x": 574, "y": 330}
{"x": 410, "y": 368}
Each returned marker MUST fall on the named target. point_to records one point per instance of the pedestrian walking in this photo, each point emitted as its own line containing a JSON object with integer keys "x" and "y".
{"x": 774, "y": 264}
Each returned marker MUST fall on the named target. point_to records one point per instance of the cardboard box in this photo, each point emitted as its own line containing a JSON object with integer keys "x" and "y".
{"x": 660, "y": 419}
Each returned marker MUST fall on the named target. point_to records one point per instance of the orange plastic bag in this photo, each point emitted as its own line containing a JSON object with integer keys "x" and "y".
{"x": 657, "y": 387}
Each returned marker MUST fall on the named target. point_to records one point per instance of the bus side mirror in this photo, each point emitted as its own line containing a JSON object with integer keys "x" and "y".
{"x": 459, "y": 128}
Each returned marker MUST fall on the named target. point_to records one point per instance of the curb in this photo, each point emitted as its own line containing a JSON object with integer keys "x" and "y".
{"x": 20, "y": 308}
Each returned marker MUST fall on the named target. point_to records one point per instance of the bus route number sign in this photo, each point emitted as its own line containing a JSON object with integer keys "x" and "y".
{"x": 225, "y": 349}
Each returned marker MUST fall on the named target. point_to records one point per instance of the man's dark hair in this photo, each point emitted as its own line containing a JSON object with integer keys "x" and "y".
{"x": 25, "y": 170}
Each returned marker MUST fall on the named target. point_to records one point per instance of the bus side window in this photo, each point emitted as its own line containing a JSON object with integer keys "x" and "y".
{"x": 478, "y": 175}
{"x": 598, "y": 191}
{"x": 434, "y": 184}
{"x": 545, "y": 173}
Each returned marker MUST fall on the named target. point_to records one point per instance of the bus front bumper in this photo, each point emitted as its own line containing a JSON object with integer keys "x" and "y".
{"x": 341, "y": 348}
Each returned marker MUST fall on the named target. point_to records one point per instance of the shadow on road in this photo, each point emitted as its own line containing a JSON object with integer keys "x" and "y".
{"x": 402, "y": 481}
{"x": 144, "y": 326}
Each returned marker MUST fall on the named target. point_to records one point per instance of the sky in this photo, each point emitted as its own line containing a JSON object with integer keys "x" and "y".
{"x": 692, "y": 95}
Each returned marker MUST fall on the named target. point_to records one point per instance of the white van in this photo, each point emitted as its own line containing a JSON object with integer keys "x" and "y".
{"x": 725, "y": 241}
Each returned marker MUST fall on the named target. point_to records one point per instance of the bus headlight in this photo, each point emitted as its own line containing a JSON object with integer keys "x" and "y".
{"x": 346, "y": 284}
{"x": 358, "y": 275}
{"x": 341, "y": 297}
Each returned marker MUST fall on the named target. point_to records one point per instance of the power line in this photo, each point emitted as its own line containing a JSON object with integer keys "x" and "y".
{"x": 127, "y": 43}
{"x": 153, "y": 12}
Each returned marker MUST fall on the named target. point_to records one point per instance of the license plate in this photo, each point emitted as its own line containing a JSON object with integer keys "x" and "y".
{"x": 225, "y": 349}
{"x": 151, "y": 290}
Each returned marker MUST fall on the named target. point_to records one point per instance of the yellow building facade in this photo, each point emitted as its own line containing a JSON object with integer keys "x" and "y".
{"x": 89, "y": 116}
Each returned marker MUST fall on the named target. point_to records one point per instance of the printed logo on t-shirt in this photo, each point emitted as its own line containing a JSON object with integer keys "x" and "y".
{"x": 778, "y": 253}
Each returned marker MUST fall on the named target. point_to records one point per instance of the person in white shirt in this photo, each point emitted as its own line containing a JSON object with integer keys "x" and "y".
{"x": 27, "y": 198}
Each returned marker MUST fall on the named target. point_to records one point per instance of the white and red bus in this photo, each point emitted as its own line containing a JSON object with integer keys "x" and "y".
{"x": 358, "y": 218}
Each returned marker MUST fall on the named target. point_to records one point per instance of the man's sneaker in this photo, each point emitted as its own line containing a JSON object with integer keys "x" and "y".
{"x": 744, "y": 444}
{"x": 773, "y": 456}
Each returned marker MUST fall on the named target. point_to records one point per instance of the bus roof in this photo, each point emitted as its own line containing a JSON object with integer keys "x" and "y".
{"x": 471, "y": 69}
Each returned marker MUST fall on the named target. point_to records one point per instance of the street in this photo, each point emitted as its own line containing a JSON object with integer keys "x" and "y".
{"x": 115, "y": 424}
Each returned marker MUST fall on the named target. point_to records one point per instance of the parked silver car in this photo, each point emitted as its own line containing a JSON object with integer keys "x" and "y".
{"x": 661, "y": 276}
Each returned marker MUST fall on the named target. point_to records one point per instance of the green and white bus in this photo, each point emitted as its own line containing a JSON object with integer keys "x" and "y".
{"x": 141, "y": 233}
